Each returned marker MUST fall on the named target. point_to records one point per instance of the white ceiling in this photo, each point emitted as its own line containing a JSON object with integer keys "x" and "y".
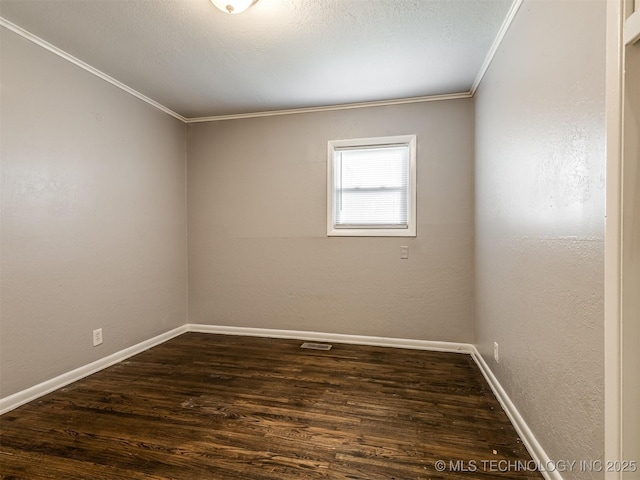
{"x": 280, "y": 54}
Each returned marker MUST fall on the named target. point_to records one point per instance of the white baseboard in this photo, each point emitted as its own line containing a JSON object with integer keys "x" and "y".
{"x": 533, "y": 446}
{"x": 335, "y": 338}
{"x": 25, "y": 396}
{"x": 526, "y": 435}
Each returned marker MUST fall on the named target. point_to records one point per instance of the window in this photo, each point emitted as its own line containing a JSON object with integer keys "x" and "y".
{"x": 371, "y": 187}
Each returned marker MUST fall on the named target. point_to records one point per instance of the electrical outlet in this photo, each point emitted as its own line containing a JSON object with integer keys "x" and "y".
{"x": 496, "y": 352}
{"x": 404, "y": 252}
{"x": 97, "y": 337}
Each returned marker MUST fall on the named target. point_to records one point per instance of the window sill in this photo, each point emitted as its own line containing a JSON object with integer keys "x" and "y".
{"x": 371, "y": 232}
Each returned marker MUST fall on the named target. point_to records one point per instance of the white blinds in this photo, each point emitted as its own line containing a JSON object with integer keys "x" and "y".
{"x": 371, "y": 186}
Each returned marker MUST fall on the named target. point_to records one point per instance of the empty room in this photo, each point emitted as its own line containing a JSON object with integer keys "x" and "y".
{"x": 323, "y": 239}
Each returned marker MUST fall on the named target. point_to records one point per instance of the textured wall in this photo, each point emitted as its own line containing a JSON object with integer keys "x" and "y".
{"x": 93, "y": 217}
{"x": 540, "y": 222}
{"x": 258, "y": 251}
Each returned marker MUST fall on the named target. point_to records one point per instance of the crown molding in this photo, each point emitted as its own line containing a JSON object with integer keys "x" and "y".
{"x": 329, "y": 108}
{"x": 515, "y": 6}
{"x": 85, "y": 66}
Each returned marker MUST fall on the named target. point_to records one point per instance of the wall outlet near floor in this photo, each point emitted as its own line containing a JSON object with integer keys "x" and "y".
{"x": 97, "y": 337}
{"x": 496, "y": 352}
{"x": 404, "y": 252}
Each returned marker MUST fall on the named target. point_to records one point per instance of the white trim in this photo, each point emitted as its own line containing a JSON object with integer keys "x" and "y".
{"x": 85, "y": 66}
{"x": 327, "y": 108}
{"x": 613, "y": 237}
{"x": 632, "y": 28}
{"x": 330, "y": 108}
{"x": 407, "y": 343}
{"x": 32, "y": 393}
{"x": 410, "y": 230}
{"x": 515, "y": 6}
{"x": 526, "y": 435}
{"x": 25, "y": 396}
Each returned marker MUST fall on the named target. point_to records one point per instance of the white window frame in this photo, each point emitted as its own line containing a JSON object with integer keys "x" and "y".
{"x": 410, "y": 231}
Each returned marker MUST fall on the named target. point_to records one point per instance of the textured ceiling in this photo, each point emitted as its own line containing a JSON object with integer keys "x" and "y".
{"x": 280, "y": 54}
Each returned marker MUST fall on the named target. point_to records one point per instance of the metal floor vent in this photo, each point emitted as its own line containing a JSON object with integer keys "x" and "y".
{"x": 316, "y": 346}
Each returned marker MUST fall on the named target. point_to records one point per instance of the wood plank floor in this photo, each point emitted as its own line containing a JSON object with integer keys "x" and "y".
{"x": 223, "y": 407}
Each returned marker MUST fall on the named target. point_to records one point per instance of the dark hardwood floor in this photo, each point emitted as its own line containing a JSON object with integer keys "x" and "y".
{"x": 222, "y": 407}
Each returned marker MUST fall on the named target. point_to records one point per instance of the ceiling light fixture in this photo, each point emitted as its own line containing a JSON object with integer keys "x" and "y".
{"x": 233, "y": 6}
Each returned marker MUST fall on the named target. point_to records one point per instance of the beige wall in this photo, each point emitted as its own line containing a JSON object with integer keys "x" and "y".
{"x": 94, "y": 222}
{"x": 540, "y": 222}
{"x": 93, "y": 217}
{"x": 258, "y": 251}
